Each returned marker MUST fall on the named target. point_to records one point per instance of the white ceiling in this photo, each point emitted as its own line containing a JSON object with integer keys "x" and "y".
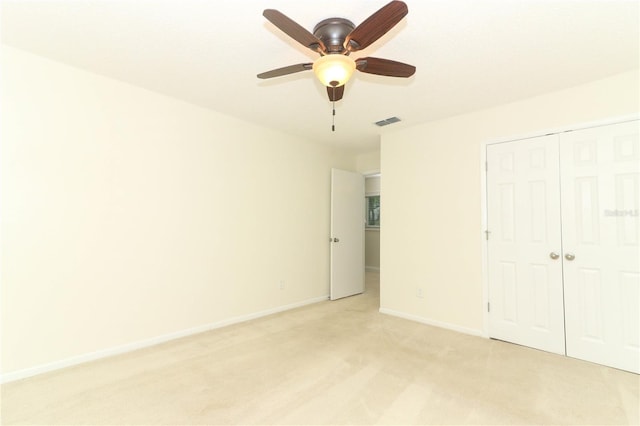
{"x": 469, "y": 54}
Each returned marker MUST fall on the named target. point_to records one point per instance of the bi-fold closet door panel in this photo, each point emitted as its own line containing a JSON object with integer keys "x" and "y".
{"x": 574, "y": 198}
{"x": 600, "y": 171}
{"x": 524, "y": 246}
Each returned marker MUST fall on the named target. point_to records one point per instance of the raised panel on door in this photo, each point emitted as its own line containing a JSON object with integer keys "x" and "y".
{"x": 525, "y": 283}
{"x": 600, "y": 202}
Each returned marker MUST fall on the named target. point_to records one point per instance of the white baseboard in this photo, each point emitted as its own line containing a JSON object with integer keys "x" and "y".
{"x": 372, "y": 268}
{"x": 440, "y": 324}
{"x": 104, "y": 353}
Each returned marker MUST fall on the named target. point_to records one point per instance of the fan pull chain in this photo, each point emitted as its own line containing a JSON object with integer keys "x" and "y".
{"x": 333, "y": 123}
{"x": 333, "y": 118}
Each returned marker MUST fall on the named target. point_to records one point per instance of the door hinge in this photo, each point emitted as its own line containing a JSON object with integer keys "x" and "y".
{"x": 486, "y": 233}
{"x": 488, "y": 307}
{"x": 486, "y": 166}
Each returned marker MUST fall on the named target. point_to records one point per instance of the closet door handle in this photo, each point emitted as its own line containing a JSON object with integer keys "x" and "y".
{"x": 554, "y": 255}
{"x": 569, "y": 256}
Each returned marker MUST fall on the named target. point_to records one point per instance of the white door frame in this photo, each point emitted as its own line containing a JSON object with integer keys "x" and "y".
{"x": 371, "y": 173}
{"x": 483, "y": 191}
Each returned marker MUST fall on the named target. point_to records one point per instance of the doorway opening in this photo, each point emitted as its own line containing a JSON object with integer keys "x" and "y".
{"x": 373, "y": 222}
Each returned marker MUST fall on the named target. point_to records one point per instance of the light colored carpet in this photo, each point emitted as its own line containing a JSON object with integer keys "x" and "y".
{"x": 331, "y": 363}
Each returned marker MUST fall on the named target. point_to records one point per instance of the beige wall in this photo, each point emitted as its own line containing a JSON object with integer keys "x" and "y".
{"x": 372, "y": 249}
{"x": 127, "y": 215}
{"x": 432, "y": 231}
{"x": 368, "y": 162}
{"x": 372, "y": 185}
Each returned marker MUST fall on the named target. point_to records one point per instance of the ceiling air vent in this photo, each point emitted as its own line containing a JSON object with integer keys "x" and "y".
{"x": 387, "y": 121}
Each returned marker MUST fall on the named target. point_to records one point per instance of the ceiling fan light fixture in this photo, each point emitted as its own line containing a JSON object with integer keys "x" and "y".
{"x": 334, "y": 70}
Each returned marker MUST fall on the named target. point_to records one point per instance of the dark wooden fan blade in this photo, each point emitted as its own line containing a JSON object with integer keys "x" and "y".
{"x": 294, "y": 30}
{"x": 385, "y": 67}
{"x": 286, "y": 70}
{"x": 335, "y": 93}
{"x": 376, "y": 25}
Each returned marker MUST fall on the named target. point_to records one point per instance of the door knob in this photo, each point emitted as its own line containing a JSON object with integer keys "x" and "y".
{"x": 569, "y": 256}
{"x": 336, "y": 240}
{"x": 554, "y": 255}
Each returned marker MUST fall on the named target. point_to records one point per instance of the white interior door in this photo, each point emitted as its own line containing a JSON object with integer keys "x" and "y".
{"x": 347, "y": 233}
{"x": 524, "y": 247}
{"x": 600, "y": 202}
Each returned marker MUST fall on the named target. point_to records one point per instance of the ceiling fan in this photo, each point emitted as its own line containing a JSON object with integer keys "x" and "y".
{"x": 335, "y": 39}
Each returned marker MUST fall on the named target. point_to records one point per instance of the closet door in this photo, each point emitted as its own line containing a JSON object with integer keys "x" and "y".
{"x": 524, "y": 249}
{"x": 600, "y": 202}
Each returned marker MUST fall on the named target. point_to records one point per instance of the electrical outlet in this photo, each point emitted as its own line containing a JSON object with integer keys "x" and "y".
{"x": 281, "y": 285}
{"x": 419, "y": 293}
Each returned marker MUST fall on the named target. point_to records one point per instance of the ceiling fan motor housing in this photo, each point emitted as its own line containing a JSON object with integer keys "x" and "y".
{"x": 333, "y": 32}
